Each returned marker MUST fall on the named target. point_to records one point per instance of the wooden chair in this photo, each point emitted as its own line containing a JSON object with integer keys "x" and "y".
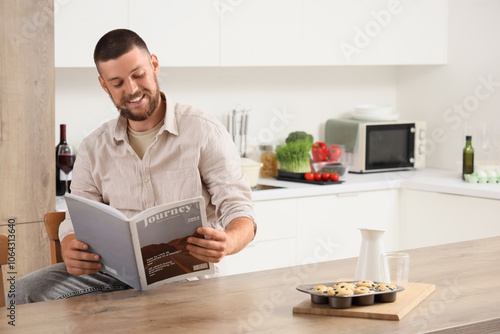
{"x": 52, "y": 221}
{"x": 3, "y": 260}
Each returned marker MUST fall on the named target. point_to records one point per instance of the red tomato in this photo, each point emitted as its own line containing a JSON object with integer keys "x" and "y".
{"x": 325, "y": 176}
{"x": 309, "y": 176}
{"x": 334, "y": 177}
{"x": 334, "y": 153}
{"x": 317, "y": 176}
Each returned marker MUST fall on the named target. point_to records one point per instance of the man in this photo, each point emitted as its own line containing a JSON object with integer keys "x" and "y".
{"x": 155, "y": 152}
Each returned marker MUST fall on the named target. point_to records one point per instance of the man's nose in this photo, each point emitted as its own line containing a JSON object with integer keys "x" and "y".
{"x": 131, "y": 86}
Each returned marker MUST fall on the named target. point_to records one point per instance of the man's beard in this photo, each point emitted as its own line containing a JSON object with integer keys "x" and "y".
{"x": 154, "y": 99}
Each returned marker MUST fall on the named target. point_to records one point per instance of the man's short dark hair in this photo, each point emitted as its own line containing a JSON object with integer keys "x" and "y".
{"x": 116, "y": 43}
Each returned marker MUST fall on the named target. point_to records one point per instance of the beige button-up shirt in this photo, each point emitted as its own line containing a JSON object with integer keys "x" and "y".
{"x": 191, "y": 155}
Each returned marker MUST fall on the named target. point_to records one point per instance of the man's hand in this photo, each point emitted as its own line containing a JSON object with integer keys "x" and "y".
{"x": 79, "y": 262}
{"x": 218, "y": 244}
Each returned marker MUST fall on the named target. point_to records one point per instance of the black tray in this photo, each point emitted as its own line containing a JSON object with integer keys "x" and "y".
{"x": 319, "y": 183}
{"x": 290, "y": 175}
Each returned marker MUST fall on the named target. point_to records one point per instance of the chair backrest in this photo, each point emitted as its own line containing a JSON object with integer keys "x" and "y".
{"x": 3, "y": 260}
{"x": 52, "y": 221}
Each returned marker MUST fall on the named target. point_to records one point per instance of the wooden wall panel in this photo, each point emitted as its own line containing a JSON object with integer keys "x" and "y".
{"x": 27, "y": 187}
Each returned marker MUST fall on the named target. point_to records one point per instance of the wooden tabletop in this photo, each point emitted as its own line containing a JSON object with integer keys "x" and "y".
{"x": 466, "y": 275}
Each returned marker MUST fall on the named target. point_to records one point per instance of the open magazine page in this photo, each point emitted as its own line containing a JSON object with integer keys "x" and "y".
{"x": 107, "y": 236}
{"x": 98, "y": 205}
{"x": 161, "y": 238}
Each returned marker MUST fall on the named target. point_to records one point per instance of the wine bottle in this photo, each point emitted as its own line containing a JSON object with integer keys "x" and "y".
{"x": 60, "y": 176}
{"x": 468, "y": 157}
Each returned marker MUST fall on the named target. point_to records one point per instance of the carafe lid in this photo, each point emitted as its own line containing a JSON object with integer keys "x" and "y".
{"x": 267, "y": 147}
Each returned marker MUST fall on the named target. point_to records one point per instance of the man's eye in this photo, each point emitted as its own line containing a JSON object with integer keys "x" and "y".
{"x": 137, "y": 76}
{"x": 118, "y": 85}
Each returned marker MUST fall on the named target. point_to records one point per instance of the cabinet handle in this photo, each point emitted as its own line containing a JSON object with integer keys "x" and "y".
{"x": 347, "y": 194}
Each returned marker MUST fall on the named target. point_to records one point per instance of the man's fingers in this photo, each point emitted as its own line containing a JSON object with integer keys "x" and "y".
{"x": 78, "y": 267}
{"x": 77, "y": 244}
{"x": 82, "y": 256}
{"x": 212, "y": 248}
{"x": 206, "y": 254}
{"x": 212, "y": 233}
{"x": 207, "y": 250}
{"x": 205, "y": 245}
{"x": 75, "y": 251}
{"x": 78, "y": 261}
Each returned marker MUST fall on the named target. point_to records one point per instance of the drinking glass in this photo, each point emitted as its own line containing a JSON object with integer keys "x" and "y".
{"x": 397, "y": 266}
{"x": 496, "y": 142}
{"x": 66, "y": 160}
{"x": 485, "y": 135}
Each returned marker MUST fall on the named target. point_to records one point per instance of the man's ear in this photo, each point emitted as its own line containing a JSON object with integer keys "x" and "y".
{"x": 155, "y": 63}
{"x": 103, "y": 84}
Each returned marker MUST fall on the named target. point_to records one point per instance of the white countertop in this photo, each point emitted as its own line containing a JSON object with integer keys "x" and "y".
{"x": 434, "y": 180}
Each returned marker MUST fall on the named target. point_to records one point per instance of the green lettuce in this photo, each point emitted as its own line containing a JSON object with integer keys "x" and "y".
{"x": 294, "y": 156}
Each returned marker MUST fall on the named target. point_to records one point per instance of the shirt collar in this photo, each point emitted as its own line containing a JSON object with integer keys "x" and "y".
{"x": 170, "y": 122}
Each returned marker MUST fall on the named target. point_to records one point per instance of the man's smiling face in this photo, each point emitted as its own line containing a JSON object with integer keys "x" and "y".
{"x": 130, "y": 80}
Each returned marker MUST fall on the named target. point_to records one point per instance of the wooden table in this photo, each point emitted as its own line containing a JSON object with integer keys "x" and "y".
{"x": 466, "y": 275}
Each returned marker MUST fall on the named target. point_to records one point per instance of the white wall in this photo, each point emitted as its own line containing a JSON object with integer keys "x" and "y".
{"x": 437, "y": 93}
{"x": 282, "y": 99}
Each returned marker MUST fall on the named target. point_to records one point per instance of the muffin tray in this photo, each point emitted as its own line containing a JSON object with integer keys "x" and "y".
{"x": 347, "y": 301}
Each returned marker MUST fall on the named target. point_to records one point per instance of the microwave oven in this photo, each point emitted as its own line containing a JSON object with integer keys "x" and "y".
{"x": 379, "y": 146}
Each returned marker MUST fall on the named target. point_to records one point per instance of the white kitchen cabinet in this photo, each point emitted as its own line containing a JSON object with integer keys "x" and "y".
{"x": 334, "y": 32}
{"x": 431, "y": 218}
{"x": 78, "y": 25}
{"x": 316, "y": 229}
{"x": 417, "y": 35}
{"x": 262, "y": 33}
{"x": 329, "y": 30}
{"x": 180, "y": 33}
{"x": 274, "y": 244}
{"x": 262, "y": 255}
{"x": 379, "y": 32}
{"x": 328, "y": 226}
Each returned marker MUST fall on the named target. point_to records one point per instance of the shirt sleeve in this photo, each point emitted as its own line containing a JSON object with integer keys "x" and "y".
{"x": 66, "y": 227}
{"x": 220, "y": 168}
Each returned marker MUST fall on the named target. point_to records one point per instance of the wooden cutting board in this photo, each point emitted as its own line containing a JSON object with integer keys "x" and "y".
{"x": 406, "y": 301}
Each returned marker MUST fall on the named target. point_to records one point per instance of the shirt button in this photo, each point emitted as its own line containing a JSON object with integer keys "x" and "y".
{"x": 146, "y": 180}
{"x": 132, "y": 152}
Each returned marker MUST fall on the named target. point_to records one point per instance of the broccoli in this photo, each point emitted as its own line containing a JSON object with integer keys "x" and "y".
{"x": 299, "y": 135}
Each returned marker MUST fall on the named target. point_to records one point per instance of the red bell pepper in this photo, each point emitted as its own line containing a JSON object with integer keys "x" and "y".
{"x": 319, "y": 151}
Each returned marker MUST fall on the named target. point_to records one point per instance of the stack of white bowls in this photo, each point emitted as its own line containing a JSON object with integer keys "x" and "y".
{"x": 372, "y": 112}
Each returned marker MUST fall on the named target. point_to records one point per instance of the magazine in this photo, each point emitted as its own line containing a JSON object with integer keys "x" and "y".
{"x": 146, "y": 250}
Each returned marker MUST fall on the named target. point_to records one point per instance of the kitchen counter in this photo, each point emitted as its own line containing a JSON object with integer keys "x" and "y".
{"x": 433, "y": 180}
{"x": 465, "y": 301}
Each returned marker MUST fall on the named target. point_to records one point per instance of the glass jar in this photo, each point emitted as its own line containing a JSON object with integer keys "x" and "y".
{"x": 268, "y": 159}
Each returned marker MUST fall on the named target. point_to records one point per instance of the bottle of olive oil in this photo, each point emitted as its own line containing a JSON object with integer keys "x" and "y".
{"x": 468, "y": 157}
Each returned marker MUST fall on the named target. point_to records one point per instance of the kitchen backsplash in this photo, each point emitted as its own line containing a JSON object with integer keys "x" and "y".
{"x": 281, "y": 99}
